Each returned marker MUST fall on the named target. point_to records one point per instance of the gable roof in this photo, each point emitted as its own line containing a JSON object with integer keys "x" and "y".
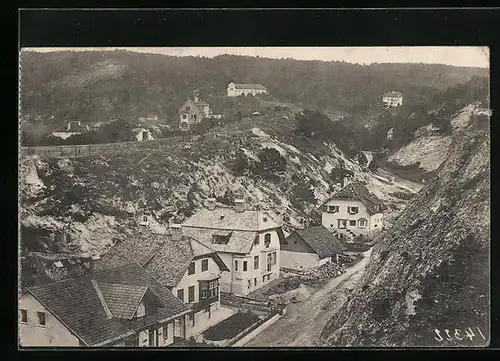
{"x": 227, "y": 218}
{"x": 323, "y": 243}
{"x": 357, "y": 191}
{"x": 167, "y": 260}
{"x": 393, "y": 93}
{"x": 250, "y": 86}
{"x": 77, "y": 305}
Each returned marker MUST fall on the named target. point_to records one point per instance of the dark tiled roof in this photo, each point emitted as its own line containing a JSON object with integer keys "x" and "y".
{"x": 250, "y": 86}
{"x": 357, "y": 191}
{"x": 76, "y": 303}
{"x": 393, "y": 93}
{"x": 167, "y": 260}
{"x": 321, "y": 241}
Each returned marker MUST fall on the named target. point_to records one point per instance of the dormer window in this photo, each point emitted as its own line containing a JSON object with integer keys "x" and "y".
{"x": 221, "y": 237}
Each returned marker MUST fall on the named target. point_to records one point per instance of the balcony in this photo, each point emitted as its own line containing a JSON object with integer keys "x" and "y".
{"x": 197, "y": 306}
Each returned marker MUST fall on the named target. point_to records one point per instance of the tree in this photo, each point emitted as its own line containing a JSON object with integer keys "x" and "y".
{"x": 240, "y": 164}
{"x": 271, "y": 162}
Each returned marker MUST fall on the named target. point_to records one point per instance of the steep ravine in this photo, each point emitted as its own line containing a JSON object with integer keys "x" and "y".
{"x": 427, "y": 283}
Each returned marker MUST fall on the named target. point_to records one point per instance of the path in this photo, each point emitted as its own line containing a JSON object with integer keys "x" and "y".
{"x": 304, "y": 321}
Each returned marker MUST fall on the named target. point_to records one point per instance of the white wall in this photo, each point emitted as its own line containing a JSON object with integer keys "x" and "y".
{"x": 300, "y": 260}
{"x": 192, "y": 280}
{"x": 202, "y": 320}
{"x": 53, "y": 334}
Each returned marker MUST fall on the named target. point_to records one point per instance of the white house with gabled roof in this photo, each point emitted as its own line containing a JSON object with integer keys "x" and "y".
{"x": 248, "y": 241}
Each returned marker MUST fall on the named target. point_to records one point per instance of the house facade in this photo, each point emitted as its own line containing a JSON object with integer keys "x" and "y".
{"x": 309, "y": 248}
{"x": 353, "y": 211}
{"x": 392, "y": 99}
{"x": 193, "y": 111}
{"x": 248, "y": 241}
{"x": 189, "y": 269}
{"x": 124, "y": 306}
{"x": 234, "y": 90}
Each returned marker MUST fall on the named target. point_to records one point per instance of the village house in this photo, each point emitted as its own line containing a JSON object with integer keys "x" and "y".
{"x": 353, "y": 211}
{"x": 392, "y": 99}
{"x": 193, "y": 111}
{"x": 123, "y": 306}
{"x": 189, "y": 269}
{"x": 309, "y": 248}
{"x": 234, "y": 90}
{"x": 142, "y": 134}
{"x": 248, "y": 241}
{"x": 72, "y": 128}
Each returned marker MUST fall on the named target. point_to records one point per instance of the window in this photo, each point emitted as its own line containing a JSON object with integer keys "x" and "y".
{"x": 257, "y": 241}
{"x": 269, "y": 261}
{"x": 352, "y": 223}
{"x": 191, "y": 319}
{"x": 184, "y": 116}
{"x": 209, "y": 289}
{"x": 255, "y": 281}
{"x": 362, "y": 223}
{"x": 180, "y": 294}
{"x": 219, "y": 239}
{"x": 24, "y": 316}
{"x": 151, "y": 338}
{"x": 235, "y": 265}
{"x": 191, "y": 268}
{"x": 249, "y": 284}
{"x": 165, "y": 332}
{"x": 144, "y": 218}
{"x": 204, "y": 265}
{"x": 188, "y": 109}
{"x": 245, "y": 264}
{"x": 331, "y": 209}
{"x": 195, "y": 116}
{"x": 342, "y": 223}
{"x": 352, "y": 210}
{"x": 267, "y": 239}
{"x": 41, "y": 318}
{"x": 263, "y": 279}
{"x": 191, "y": 294}
{"x": 256, "y": 262}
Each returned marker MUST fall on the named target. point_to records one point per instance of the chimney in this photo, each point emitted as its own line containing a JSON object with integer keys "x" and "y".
{"x": 210, "y": 203}
{"x": 239, "y": 205}
{"x": 175, "y": 232}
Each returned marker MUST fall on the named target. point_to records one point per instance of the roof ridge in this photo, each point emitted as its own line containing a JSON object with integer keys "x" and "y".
{"x": 101, "y": 298}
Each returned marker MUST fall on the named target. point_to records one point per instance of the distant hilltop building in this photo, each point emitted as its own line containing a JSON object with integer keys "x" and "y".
{"x": 392, "y": 99}
{"x": 72, "y": 128}
{"x": 193, "y": 111}
{"x": 234, "y": 90}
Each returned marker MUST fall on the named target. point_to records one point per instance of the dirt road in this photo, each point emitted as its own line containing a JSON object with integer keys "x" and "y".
{"x": 304, "y": 321}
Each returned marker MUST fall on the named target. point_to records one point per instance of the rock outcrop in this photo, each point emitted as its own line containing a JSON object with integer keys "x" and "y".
{"x": 427, "y": 283}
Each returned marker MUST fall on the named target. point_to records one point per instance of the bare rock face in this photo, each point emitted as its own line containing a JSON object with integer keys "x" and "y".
{"x": 429, "y": 277}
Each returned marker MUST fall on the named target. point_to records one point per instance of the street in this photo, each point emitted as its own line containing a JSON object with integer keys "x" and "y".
{"x": 304, "y": 321}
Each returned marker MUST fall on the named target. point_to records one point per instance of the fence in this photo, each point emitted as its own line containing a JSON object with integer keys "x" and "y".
{"x": 72, "y": 151}
{"x": 250, "y": 303}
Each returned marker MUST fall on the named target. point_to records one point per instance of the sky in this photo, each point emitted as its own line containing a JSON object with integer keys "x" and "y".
{"x": 468, "y": 56}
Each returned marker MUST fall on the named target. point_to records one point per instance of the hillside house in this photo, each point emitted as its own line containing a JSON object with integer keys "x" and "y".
{"x": 309, "y": 248}
{"x": 353, "y": 211}
{"x": 148, "y": 118}
{"x": 193, "y": 111}
{"x": 234, "y": 90}
{"x": 72, "y": 128}
{"x": 123, "y": 306}
{"x": 142, "y": 134}
{"x": 392, "y": 99}
{"x": 248, "y": 241}
{"x": 189, "y": 269}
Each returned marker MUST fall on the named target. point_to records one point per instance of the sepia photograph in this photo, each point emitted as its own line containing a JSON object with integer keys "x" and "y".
{"x": 254, "y": 197}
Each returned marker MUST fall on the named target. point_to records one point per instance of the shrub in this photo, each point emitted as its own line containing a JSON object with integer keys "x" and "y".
{"x": 271, "y": 163}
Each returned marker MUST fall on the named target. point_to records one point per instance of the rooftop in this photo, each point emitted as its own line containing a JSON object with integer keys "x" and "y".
{"x": 166, "y": 259}
{"x": 393, "y": 93}
{"x": 323, "y": 242}
{"x": 357, "y": 191}
{"x": 250, "y": 86}
{"x": 78, "y": 303}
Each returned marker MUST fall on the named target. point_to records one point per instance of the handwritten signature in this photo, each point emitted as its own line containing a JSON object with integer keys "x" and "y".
{"x": 457, "y": 334}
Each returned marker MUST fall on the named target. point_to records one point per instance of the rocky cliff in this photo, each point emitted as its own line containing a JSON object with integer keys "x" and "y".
{"x": 427, "y": 283}
{"x": 88, "y": 203}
